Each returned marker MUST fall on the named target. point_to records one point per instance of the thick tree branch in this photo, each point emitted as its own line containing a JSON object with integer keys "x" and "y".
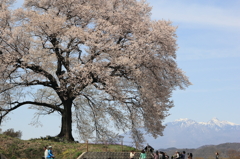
{"x": 19, "y": 104}
{"x": 38, "y": 69}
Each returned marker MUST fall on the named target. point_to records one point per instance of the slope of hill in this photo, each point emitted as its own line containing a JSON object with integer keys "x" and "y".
{"x": 208, "y": 151}
{"x": 14, "y": 148}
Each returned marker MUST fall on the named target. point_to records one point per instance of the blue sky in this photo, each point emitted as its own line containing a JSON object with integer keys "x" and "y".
{"x": 209, "y": 52}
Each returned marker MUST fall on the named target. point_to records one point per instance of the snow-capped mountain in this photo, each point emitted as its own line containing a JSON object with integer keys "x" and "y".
{"x": 187, "y": 133}
{"x": 215, "y": 124}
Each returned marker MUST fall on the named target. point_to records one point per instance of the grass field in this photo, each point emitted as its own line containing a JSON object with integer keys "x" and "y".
{"x": 14, "y": 148}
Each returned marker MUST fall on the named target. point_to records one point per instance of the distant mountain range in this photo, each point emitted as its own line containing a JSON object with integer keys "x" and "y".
{"x": 187, "y": 133}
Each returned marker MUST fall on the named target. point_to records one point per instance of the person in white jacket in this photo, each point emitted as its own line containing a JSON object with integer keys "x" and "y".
{"x": 177, "y": 155}
{"x": 45, "y": 152}
{"x": 132, "y": 153}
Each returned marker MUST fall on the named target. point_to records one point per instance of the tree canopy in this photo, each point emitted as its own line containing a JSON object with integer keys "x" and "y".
{"x": 103, "y": 64}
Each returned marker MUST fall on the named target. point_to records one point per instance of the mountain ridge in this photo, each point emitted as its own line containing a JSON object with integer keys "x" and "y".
{"x": 187, "y": 133}
{"x": 213, "y": 121}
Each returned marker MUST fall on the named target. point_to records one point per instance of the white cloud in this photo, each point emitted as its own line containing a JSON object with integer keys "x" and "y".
{"x": 199, "y": 14}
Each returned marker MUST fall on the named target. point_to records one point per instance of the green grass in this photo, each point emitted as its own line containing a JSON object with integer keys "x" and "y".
{"x": 14, "y": 148}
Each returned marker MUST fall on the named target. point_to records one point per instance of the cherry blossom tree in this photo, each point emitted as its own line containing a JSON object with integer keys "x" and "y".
{"x": 103, "y": 64}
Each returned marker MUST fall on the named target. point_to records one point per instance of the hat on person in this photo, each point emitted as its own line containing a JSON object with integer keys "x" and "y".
{"x": 49, "y": 147}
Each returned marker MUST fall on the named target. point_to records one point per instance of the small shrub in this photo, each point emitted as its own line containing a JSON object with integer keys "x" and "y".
{"x": 52, "y": 138}
{"x": 77, "y": 154}
{"x": 12, "y": 133}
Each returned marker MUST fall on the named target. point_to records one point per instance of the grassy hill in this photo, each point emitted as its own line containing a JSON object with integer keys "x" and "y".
{"x": 14, "y": 148}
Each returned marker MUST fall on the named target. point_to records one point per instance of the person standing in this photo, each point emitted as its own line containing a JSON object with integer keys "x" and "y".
{"x": 161, "y": 155}
{"x": 177, "y": 155}
{"x": 217, "y": 155}
{"x": 143, "y": 155}
{"x": 183, "y": 155}
{"x": 50, "y": 154}
{"x": 132, "y": 153}
{"x": 156, "y": 155}
{"x": 45, "y": 152}
{"x": 190, "y": 156}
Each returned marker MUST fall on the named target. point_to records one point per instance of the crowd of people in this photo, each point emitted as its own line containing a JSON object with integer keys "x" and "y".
{"x": 182, "y": 155}
{"x": 163, "y": 155}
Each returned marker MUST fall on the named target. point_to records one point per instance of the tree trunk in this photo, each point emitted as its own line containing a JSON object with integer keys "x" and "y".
{"x": 66, "y": 127}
